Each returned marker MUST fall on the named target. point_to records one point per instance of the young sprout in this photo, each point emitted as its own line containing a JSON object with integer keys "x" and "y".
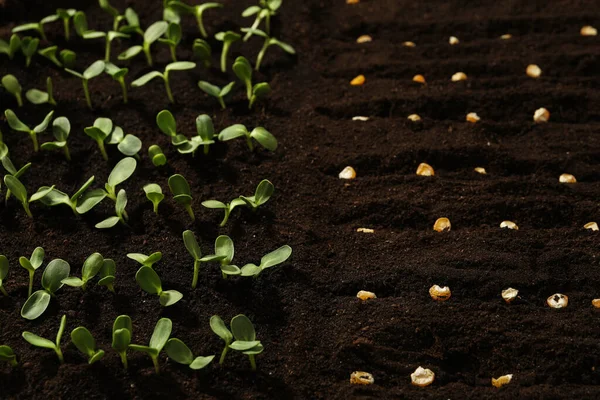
{"x": 244, "y": 334}
{"x": 12, "y": 86}
{"x": 442, "y": 225}
{"x": 80, "y": 23}
{"x": 38, "y": 341}
{"x": 3, "y": 273}
{"x": 260, "y": 134}
{"x": 10, "y": 48}
{"x": 156, "y": 155}
{"x": 120, "y": 173}
{"x": 152, "y": 34}
{"x": 265, "y": 10}
{"x": 146, "y": 261}
{"x": 166, "y": 123}
{"x": 66, "y": 15}
{"x": 201, "y": 50}
{"x": 227, "y": 38}
{"x": 117, "y": 17}
{"x": 263, "y": 193}
{"x": 85, "y": 343}
{"x": 170, "y": 14}
{"x": 224, "y": 248}
{"x": 102, "y": 128}
{"x": 67, "y": 57}
{"x": 36, "y": 26}
{"x": 269, "y": 41}
{"x": 36, "y": 96}
{"x": 52, "y": 278}
{"x": 176, "y": 66}
{"x": 133, "y": 23}
{"x": 108, "y": 38}
{"x": 242, "y": 69}
{"x": 182, "y": 193}
{"x": 440, "y": 293}
{"x": 220, "y": 329}
{"x": 61, "y": 127}
{"x": 91, "y": 268}
{"x": 20, "y": 192}
{"x": 128, "y": 145}
{"x": 15, "y": 123}
{"x": 226, "y": 207}
{"x": 259, "y": 91}
{"x": 9, "y": 167}
{"x": 159, "y": 339}
{"x": 7, "y": 354}
{"x": 192, "y": 246}
{"x": 121, "y": 336}
{"x": 80, "y": 202}
{"x": 29, "y": 46}
{"x": 205, "y": 136}
{"x": 216, "y": 91}
{"x": 31, "y": 264}
{"x": 180, "y": 353}
{"x": 173, "y": 37}
{"x": 154, "y": 194}
{"x": 91, "y": 72}
{"x": 50, "y": 54}
{"x": 269, "y": 260}
{"x": 107, "y": 274}
{"x": 197, "y": 11}
{"x": 120, "y": 205}
{"x": 150, "y": 283}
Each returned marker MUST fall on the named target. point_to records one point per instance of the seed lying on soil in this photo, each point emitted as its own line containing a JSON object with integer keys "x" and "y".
{"x": 459, "y": 76}
{"x": 472, "y": 117}
{"x": 422, "y": 377}
{"x": 414, "y": 117}
{"x": 352, "y": 1}
{"x": 361, "y": 378}
{"x": 509, "y": 225}
{"x": 409, "y": 44}
{"x": 365, "y": 295}
{"x": 506, "y": 36}
{"x": 453, "y": 40}
{"x": 347, "y": 173}
{"x": 365, "y": 230}
{"x": 501, "y": 381}
{"x": 541, "y": 115}
{"x": 480, "y": 170}
{"x": 533, "y": 71}
{"x": 360, "y": 118}
{"x": 558, "y": 300}
{"x": 442, "y": 224}
{"x": 591, "y": 226}
{"x": 440, "y": 293}
{"x": 509, "y": 294}
{"x": 364, "y": 39}
{"x": 419, "y": 78}
{"x": 596, "y": 303}
{"x": 588, "y": 31}
{"x": 567, "y": 178}
{"x": 359, "y": 80}
{"x": 425, "y": 170}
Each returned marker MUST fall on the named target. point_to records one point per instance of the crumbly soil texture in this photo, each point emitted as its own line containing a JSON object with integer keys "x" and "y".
{"x": 314, "y": 329}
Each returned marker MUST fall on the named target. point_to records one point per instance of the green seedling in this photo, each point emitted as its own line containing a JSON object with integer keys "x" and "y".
{"x": 262, "y": 194}
{"x": 205, "y": 135}
{"x": 218, "y": 326}
{"x": 36, "y": 26}
{"x": 92, "y": 71}
{"x": 101, "y": 130}
{"x": 52, "y": 278}
{"x": 269, "y": 41}
{"x": 67, "y": 57}
{"x": 117, "y": 17}
{"x": 108, "y": 38}
{"x": 36, "y": 96}
{"x": 38, "y": 341}
{"x": 259, "y": 91}
{"x": 152, "y": 34}
{"x": 156, "y": 155}
{"x": 227, "y": 38}
{"x": 245, "y": 338}
{"x": 91, "y": 268}
{"x": 150, "y": 283}
{"x": 133, "y": 23}
{"x": 85, "y": 343}
{"x": 202, "y": 51}
{"x": 121, "y": 216}
{"x": 15, "y": 123}
{"x": 182, "y": 193}
{"x": 226, "y": 207}
{"x": 197, "y": 11}
{"x": 272, "y": 259}
{"x": 180, "y": 353}
{"x": 265, "y": 10}
{"x": 80, "y": 202}
{"x": 61, "y": 127}
{"x": 128, "y": 145}
{"x": 215, "y": 91}
{"x": 159, "y": 339}
{"x": 166, "y": 123}
{"x": 173, "y": 37}
{"x": 107, "y": 274}
{"x": 146, "y": 261}
{"x": 192, "y": 246}
{"x": 9, "y": 167}
{"x": 32, "y": 264}
{"x": 260, "y": 134}
{"x": 243, "y": 70}
{"x": 121, "y": 336}
{"x": 224, "y": 248}
{"x": 20, "y": 192}
{"x": 29, "y": 46}
{"x": 50, "y": 54}
{"x": 65, "y": 15}
{"x": 12, "y": 86}
{"x": 118, "y": 74}
{"x": 7, "y": 354}
{"x": 120, "y": 173}
{"x": 170, "y": 14}
{"x": 3, "y": 273}
{"x": 176, "y": 66}
{"x": 10, "y": 48}
{"x": 80, "y": 23}
{"x": 154, "y": 194}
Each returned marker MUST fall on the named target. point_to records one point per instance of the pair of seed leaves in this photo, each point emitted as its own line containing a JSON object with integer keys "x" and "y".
{"x": 204, "y": 127}
{"x": 242, "y": 331}
{"x": 150, "y": 282}
{"x": 128, "y": 144}
{"x": 7, "y": 354}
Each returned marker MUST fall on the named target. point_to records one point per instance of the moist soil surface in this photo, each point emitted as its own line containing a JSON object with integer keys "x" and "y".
{"x": 314, "y": 329}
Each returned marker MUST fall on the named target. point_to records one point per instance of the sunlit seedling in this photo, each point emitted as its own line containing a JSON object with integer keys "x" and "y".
{"x": 365, "y": 230}
{"x": 29, "y": 47}
{"x": 8, "y": 355}
{"x": 61, "y": 127}
{"x": 36, "y": 26}
{"x": 180, "y": 353}
{"x": 52, "y": 278}
{"x": 259, "y": 134}
{"x": 154, "y": 194}
{"x": 181, "y": 193}
{"x": 80, "y": 23}
{"x": 128, "y": 144}
{"x": 156, "y": 155}
{"x": 80, "y": 202}
{"x": 269, "y": 260}
{"x": 361, "y": 378}
{"x": 65, "y": 15}
{"x": 10, "y": 48}
{"x": 263, "y": 193}
{"x": 228, "y": 38}
{"x": 150, "y": 283}
{"x": 265, "y": 10}
{"x": 85, "y": 343}
{"x": 225, "y": 250}
{"x": 205, "y": 136}
{"x": 172, "y": 39}
{"x": 9, "y": 166}
{"x": 243, "y": 70}
{"x": 50, "y": 54}
{"x": 215, "y": 91}
{"x": 32, "y": 264}
{"x": 133, "y": 23}
{"x": 122, "y": 331}
{"x": 151, "y": 35}
{"x": 20, "y": 192}
{"x": 226, "y": 207}
{"x": 15, "y": 123}
{"x": 146, "y": 261}
{"x": 167, "y": 124}
{"x": 269, "y": 41}
{"x": 176, "y": 66}
{"x": 92, "y": 71}
{"x": 38, "y": 341}
{"x": 244, "y": 334}
{"x": 36, "y": 96}
{"x": 192, "y": 246}
{"x": 196, "y": 11}
{"x": 108, "y": 38}
{"x": 120, "y": 173}
{"x": 12, "y": 86}
{"x": 202, "y": 51}
{"x": 502, "y": 380}
{"x": 91, "y": 267}
{"x": 422, "y": 377}
{"x": 121, "y": 215}
{"x": 101, "y": 130}
{"x": 159, "y": 339}
{"x": 107, "y": 274}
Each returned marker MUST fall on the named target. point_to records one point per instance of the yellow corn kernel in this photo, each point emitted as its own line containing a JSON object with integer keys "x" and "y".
{"x": 533, "y": 71}
{"x": 364, "y": 295}
{"x": 501, "y": 381}
{"x": 509, "y": 225}
{"x": 440, "y": 293}
{"x": 408, "y": 44}
{"x": 365, "y": 230}
{"x": 480, "y": 170}
{"x": 425, "y": 170}
{"x": 347, "y": 173}
{"x": 422, "y": 377}
{"x": 473, "y": 117}
{"x": 591, "y": 226}
{"x": 567, "y": 178}
{"x": 414, "y": 117}
{"x": 442, "y": 224}
{"x": 541, "y": 115}
{"x": 453, "y": 40}
{"x": 364, "y": 39}
{"x": 359, "y": 80}
{"x": 588, "y": 31}
{"x": 509, "y": 294}
{"x": 361, "y": 378}
{"x": 506, "y": 36}
{"x": 419, "y": 78}
{"x": 459, "y": 76}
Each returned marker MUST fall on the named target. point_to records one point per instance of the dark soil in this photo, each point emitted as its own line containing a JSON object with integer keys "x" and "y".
{"x": 314, "y": 329}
